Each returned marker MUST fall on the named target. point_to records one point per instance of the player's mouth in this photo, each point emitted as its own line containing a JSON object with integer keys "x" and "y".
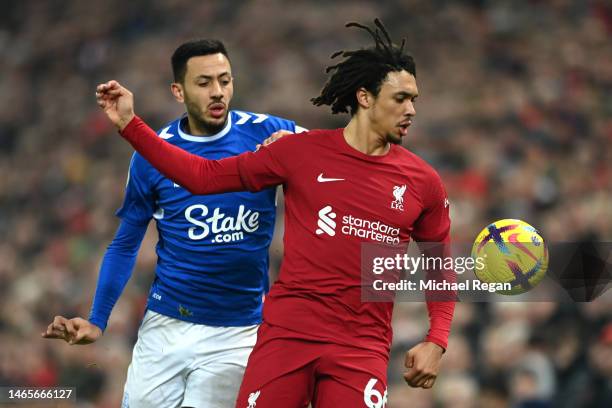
{"x": 216, "y": 109}
{"x": 403, "y": 127}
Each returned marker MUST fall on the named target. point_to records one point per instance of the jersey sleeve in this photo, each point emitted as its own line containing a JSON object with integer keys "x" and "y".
{"x": 434, "y": 223}
{"x": 269, "y": 166}
{"x": 434, "y": 227}
{"x": 249, "y": 171}
{"x": 139, "y": 202}
{"x": 115, "y": 271}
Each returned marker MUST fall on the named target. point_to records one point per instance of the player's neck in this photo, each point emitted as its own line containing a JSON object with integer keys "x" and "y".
{"x": 194, "y": 127}
{"x": 360, "y": 136}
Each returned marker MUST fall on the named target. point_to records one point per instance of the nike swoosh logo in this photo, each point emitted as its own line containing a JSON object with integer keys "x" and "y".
{"x": 322, "y": 179}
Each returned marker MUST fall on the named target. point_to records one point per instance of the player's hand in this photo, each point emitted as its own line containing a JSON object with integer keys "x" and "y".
{"x": 274, "y": 137}
{"x": 117, "y": 102}
{"x": 423, "y": 362}
{"x": 72, "y": 331}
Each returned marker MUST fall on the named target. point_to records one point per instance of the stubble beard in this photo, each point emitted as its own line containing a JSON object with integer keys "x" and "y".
{"x": 393, "y": 139}
{"x": 195, "y": 115}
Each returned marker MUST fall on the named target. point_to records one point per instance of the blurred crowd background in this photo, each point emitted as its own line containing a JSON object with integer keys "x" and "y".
{"x": 515, "y": 112}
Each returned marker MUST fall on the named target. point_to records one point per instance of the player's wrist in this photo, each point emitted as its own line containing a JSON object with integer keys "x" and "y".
{"x": 97, "y": 325}
{"x": 436, "y": 343}
{"x": 125, "y": 121}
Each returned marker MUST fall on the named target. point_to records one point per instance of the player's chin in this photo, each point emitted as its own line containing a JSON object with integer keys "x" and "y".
{"x": 394, "y": 138}
{"x": 215, "y": 121}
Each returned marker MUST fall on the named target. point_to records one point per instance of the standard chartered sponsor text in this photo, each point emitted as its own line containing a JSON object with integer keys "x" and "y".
{"x": 373, "y": 230}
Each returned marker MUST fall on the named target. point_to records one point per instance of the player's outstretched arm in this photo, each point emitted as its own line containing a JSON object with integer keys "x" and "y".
{"x": 73, "y": 331}
{"x": 196, "y": 174}
{"x": 423, "y": 363}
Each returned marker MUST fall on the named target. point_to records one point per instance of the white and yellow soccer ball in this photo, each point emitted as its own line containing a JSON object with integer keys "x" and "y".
{"x": 511, "y": 251}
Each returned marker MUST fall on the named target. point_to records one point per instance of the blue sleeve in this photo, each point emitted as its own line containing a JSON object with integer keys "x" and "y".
{"x": 116, "y": 270}
{"x": 139, "y": 202}
{"x": 285, "y": 124}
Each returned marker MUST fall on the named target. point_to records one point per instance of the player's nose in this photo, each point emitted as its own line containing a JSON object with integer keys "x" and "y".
{"x": 409, "y": 110}
{"x": 216, "y": 91}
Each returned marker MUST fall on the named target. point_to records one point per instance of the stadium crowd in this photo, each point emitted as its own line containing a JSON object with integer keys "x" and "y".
{"x": 515, "y": 112}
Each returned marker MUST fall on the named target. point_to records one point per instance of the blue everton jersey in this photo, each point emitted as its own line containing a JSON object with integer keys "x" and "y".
{"x": 213, "y": 250}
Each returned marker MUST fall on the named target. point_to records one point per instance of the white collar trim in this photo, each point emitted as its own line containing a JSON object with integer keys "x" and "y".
{"x": 210, "y": 138}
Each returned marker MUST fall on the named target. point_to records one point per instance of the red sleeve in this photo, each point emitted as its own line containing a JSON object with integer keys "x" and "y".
{"x": 434, "y": 223}
{"x": 434, "y": 226}
{"x": 248, "y": 171}
{"x": 269, "y": 166}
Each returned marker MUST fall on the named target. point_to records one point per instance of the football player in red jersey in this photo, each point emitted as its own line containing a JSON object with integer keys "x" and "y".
{"x": 320, "y": 344}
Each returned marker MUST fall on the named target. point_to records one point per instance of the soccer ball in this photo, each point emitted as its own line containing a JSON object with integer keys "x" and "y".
{"x": 510, "y": 251}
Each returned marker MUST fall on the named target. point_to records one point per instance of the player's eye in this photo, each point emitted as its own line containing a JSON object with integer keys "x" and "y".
{"x": 203, "y": 84}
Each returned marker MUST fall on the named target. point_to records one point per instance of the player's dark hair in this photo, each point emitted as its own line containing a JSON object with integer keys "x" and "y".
{"x": 364, "y": 68}
{"x": 191, "y": 49}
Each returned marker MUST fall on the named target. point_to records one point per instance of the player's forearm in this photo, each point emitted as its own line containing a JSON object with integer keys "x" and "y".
{"x": 440, "y": 319}
{"x": 440, "y": 303}
{"x": 197, "y": 174}
{"x": 115, "y": 271}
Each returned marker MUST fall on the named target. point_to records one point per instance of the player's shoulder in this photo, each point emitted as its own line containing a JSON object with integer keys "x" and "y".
{"x": 170, "y": 131}
{"x": 417, "y": 163}
{"x": 263, "y": 121}
{"x": 315, "y": 136}
{"x": 323, "y": 138}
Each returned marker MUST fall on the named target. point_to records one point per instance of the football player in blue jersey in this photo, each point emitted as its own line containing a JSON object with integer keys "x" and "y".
{"x": 205, "y": 303}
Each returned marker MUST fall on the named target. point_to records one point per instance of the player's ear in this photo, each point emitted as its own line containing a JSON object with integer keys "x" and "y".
{"x": 364, "y": 98}
{"x": 177, "y": 91}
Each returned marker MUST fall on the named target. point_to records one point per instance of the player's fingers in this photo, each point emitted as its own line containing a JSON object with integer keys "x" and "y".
{"x": 115, "y": 91}
{"x": 409, "y": 361}
{"x": 411, "y": 375}
{"x": 413, "y": 382}
{"x": 48, "y": 332}
{"x": 429, "y": 382}
{"x": 276, "y": 135}
{"x": 420, "y": 381}
{"x": 110, "y": 93}
{"x": 59, "y": 322}
{"x": 52, "y": 333}
{"x": 415, "y": 376}
{"x": 101, "y": 94}
{"x": 80, "y": 335}
{"x": 112, "y": 84}
{"x": 79, "y": 322}
{"x": 70, "y": 329}
{"x": 108, "y": 86}
{"x": 257, "y": 147}
{"x": 56, "y": 334}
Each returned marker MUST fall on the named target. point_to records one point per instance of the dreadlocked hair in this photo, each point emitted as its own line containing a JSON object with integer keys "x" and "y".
{"x": 364, "y": 68}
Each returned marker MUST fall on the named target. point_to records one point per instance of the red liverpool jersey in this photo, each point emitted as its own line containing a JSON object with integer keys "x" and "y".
{"x": 336, "y": 198}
